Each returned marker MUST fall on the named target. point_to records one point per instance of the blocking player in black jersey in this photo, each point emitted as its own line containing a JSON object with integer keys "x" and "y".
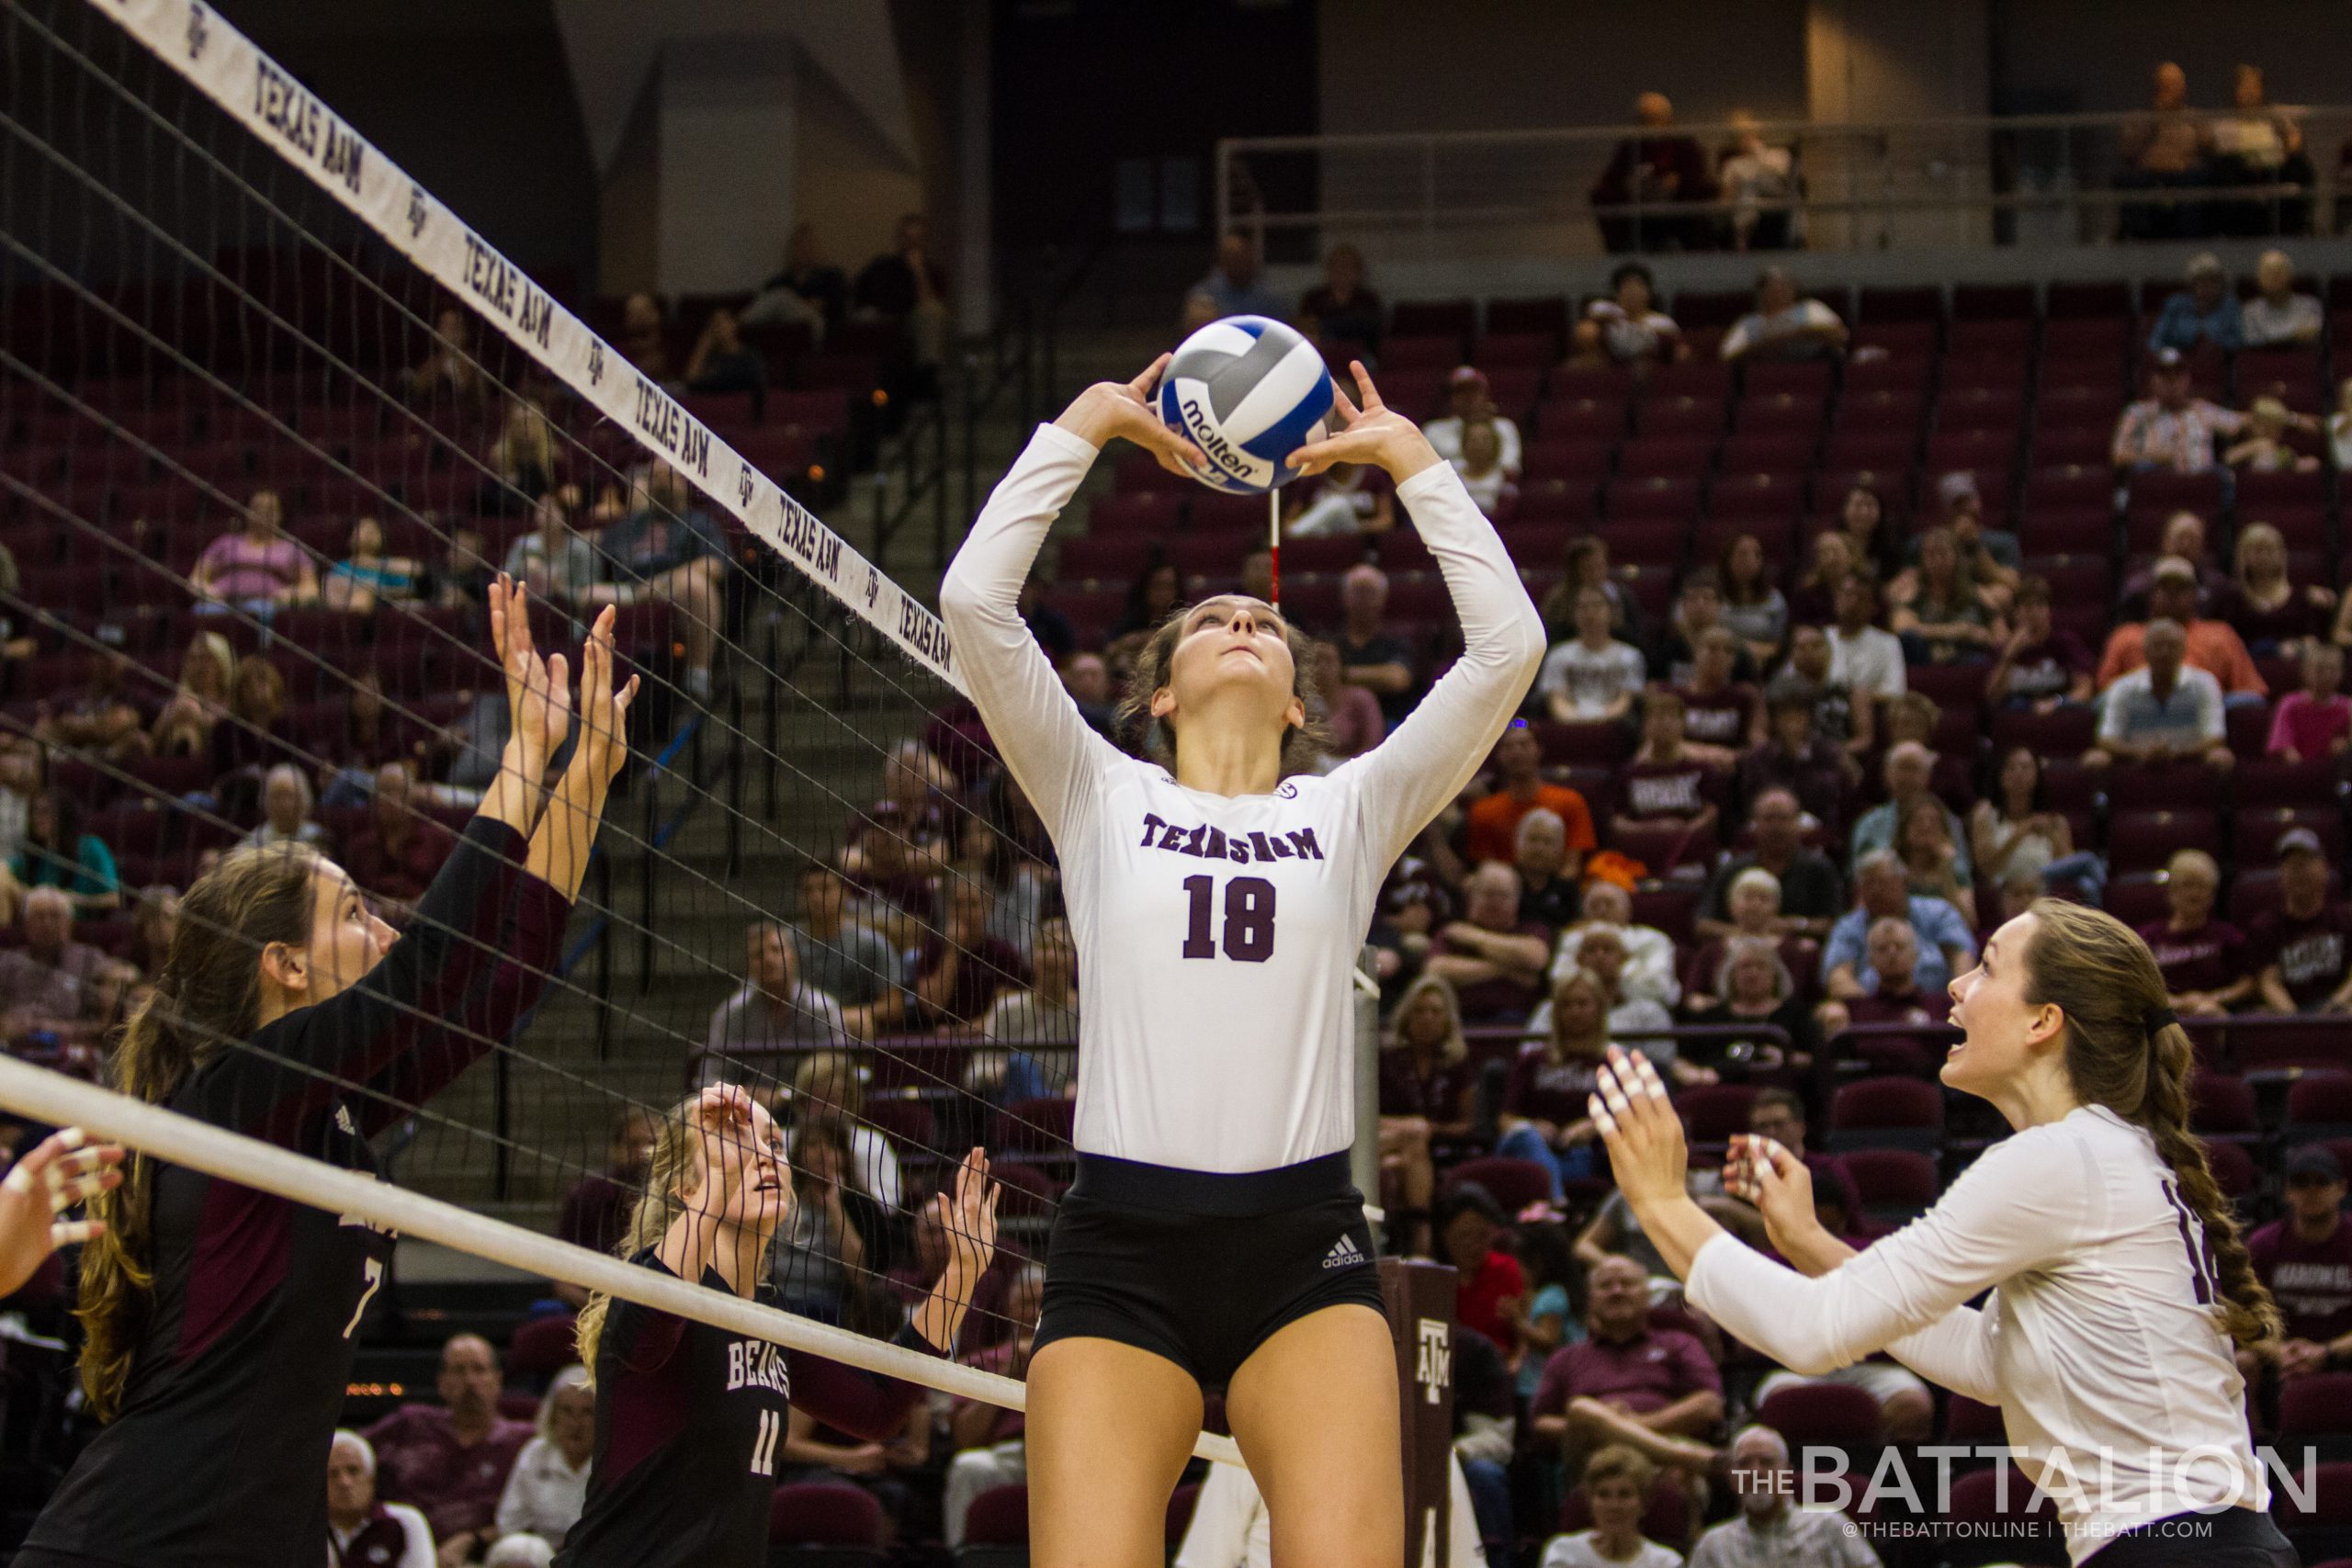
{"x": 219, "y": 1320}
{"x": 689, "y": 1417}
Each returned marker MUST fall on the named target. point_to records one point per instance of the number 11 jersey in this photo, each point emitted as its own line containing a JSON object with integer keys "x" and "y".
{"x": 1218, "y": 936}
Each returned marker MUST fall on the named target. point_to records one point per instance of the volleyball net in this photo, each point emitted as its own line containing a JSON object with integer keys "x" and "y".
{"x": 271, "y": 419}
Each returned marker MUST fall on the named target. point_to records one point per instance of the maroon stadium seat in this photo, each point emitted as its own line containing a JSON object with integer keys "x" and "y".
{"x": 2221, "y": 1105}
{"x": 1886, "y": 1112}
{"x": 1714, "y": 1113}
{"x": 1894, "y": 1185}
{"x": 1824, "y": 1414}
{"x": 835, "y": 1514}
{"x": 1513, "y": 1184}
{"x": 2319, "y": 1105}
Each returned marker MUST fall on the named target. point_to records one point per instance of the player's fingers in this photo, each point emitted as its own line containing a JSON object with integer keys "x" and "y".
{"x": 1142, "y": 385}
{"x": 74, "y": 1233}
{"x": 1364, "y": 388}
{"x": 30, "y": 1170}
{"x": 1348, "y": 412}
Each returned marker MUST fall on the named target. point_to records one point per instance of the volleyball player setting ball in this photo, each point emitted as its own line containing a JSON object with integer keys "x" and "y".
{"x": 689, "y": 1417}
{"x": 1219, "y": 895}
{"x": 220, "y": 1321}
{"x": 2118, "y": 1278}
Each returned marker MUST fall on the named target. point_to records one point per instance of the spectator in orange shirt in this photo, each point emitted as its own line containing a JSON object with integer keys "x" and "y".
{"x": 1492, "y": 830}
{"x": 2213, "y": 646}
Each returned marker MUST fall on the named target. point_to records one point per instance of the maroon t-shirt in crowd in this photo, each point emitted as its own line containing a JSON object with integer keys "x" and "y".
{"x": 420, "y": 1461}
{"x": 2310, "y": 950}
{"x": 2312, "y": 1280}
{"x": 1435, "y": 1095}
{"x": 1649, "y": 1371}
{"x": 1501, "y": 999}
{"x": 1718, "y": 718}
{"x": 1667, "y": 789}
{"x": 982, "y": 971}
{"x": 596, "y": 1212}
{"x": 402, "y": 873}
{"x": 2048, "y": 668}
{"x": 1540, "y": 1091}
{"x": 2210, "y": 958}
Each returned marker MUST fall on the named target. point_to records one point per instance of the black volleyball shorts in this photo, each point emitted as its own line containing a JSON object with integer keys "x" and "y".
{"x": 1203, "y": 1268}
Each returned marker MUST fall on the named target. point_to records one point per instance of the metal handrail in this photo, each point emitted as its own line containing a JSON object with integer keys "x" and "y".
{"x": 1876, "y": 178}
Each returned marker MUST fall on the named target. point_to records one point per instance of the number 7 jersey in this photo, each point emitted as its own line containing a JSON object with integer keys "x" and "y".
{"x": 1218, "y": 936}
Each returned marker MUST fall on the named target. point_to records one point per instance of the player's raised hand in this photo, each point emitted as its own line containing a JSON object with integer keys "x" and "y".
{"x": 63, "y": 1171}
{"x": 969, "y": 1218}
{"x": 539, "y": 691}
{"x": 1373, "y": 433}
{"x": 1639, "y": 1124}
{"x": 603, "y": 707}
{"x": 1768, "y": 1174}
{"x": 1123, "y": 408}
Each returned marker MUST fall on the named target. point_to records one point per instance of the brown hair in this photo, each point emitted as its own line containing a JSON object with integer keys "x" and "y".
{"x": 1302, "y": 744}
{"x": 667, "y": 1173}
{"x": 2090, "y": 965}
{"x": 205, "y": 997}
{"x": 269, "y": 695}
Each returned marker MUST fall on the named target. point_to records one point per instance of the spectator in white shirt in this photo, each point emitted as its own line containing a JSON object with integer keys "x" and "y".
{"x": 1783, "y": 326}
{"x": 773, "y": 1010}
{"x": 2164, "y": 709}
{"x": 1864, "y": 658}
{"x": 1348, "y": 499}
{"x": 2170, "y": 428}
{"x": 1650, "y": 971}
{"x": 1760, "y": 182}
{"x": 1481, "y": 466}
{"x": 1628, "y": 328}
{"x": 548, "y": 1485}
{"x": 1470, "y": 400}
{"x": 1770, "y": 1531}
{"x": 1593, "y": 676}
{"x": 2278, "y": 317}
{"x": 361, "y": 1532}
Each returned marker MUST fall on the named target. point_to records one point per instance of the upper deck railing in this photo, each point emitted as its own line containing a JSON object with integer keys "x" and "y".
{"x": 2046, "y": 179}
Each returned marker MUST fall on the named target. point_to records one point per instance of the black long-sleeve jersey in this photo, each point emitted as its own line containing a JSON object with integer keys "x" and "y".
{"x": 690, "y": 1419}
{"x": 218, "y": 1454}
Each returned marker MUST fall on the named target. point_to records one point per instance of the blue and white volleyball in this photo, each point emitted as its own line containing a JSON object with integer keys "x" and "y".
{"x": 1247, "y": 391}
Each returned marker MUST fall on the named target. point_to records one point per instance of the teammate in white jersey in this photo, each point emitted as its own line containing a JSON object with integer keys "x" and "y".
{"x": 1219, "y": 895}
{"x": 2118, "y": 1280}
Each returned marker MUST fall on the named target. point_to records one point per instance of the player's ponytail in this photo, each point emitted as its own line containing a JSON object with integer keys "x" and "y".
{"x": 1302, "y": 746}
{"x": 669, "y": 1173}
{"x": 2093, "y": 969}
{"x": 206, "y": 997}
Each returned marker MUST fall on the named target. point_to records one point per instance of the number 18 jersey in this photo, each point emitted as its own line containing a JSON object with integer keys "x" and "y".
{"x": 1218, "y": 936}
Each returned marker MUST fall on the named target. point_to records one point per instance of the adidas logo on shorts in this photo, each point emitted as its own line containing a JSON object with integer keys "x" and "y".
{"x": 1344, "y": 1253}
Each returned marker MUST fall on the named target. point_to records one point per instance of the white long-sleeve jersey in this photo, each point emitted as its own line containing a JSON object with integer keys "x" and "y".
{"x": 2098, "y": 1342}
{"x": 1217, "y": 936}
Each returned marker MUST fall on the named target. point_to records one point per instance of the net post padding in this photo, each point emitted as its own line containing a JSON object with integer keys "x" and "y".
{"x": 53, "y": 1097}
